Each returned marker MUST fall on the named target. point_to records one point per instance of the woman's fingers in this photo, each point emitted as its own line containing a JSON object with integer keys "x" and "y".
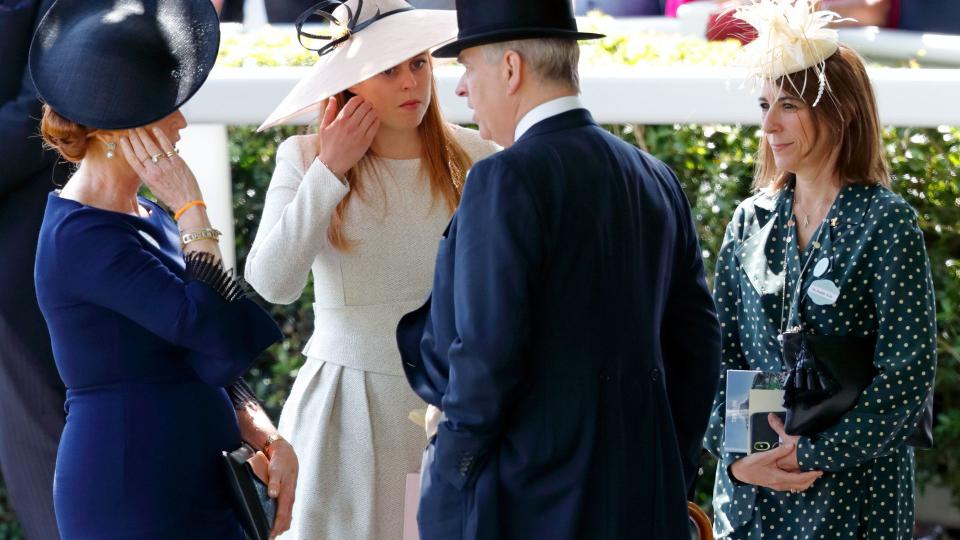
{"x": 368, "y": 121}
{"x": 762, "y": 469}
{"x": 152, "y": 148}
{"x": 130, "y": 155}
{"x": 328, "y": 113}
{"x": 169, "y": 161}
{"x": 787, "y": 481}
{"x": 350, "y": 107}
{"x": 138, "y": 149}
{"x": 363, "y": 112}
{"x": 778, "y": 453}
{"x": 282, "y": 486}
{"x": 350, "y": 122}
{"x": 165, "y": 145}
{"x": 372, "y": 131}
{"x": 777, "y": 425}
{"x": 284, "y": 513}
{"x": 148, "y": 171}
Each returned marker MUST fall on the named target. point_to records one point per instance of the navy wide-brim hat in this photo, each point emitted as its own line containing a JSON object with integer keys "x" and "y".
{"x": 492, "y": 21}
{"x": 118, "y": 64}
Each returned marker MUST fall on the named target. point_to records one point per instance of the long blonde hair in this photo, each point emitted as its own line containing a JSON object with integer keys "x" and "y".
{"x": 443, "y": 159}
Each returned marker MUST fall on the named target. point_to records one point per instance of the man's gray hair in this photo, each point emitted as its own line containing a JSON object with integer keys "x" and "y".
{"x": 551, "y": 59}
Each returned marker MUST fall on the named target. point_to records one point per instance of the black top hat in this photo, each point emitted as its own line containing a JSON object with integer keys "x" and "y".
{"x": 491, "y": 21}
{"x": 117, "y": 64}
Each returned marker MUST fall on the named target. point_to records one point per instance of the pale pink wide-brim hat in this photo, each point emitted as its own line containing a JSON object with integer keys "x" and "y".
{"x": 397, "y": 32}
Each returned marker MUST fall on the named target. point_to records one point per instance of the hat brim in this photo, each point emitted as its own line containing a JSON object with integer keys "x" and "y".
{"x": 200, "y": 55}
{"x": 451, "y": 50}
{"x": 376, "y": 48}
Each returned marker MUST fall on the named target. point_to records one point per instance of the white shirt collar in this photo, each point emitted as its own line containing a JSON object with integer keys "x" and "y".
{"x": 546, "y": 110}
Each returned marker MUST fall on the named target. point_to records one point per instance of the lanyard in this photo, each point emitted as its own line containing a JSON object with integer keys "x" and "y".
{"x": 796, "y": 298}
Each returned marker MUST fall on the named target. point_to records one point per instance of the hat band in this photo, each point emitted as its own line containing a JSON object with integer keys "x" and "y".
{"x": 351, "y": 26}
{"x": 564, "y": 25}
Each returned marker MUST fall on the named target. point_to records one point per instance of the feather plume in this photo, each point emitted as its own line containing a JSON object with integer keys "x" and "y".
{"x": 792, "y": 35}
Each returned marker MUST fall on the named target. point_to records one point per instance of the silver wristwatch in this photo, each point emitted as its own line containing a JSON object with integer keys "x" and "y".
{"x": 199, "y": 234}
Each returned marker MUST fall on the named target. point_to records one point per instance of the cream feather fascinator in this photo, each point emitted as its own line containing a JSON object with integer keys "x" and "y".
{"x": 792, "y": 35}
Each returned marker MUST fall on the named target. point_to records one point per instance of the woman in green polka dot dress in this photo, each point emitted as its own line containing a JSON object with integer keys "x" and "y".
{"x": 824, "y": 216}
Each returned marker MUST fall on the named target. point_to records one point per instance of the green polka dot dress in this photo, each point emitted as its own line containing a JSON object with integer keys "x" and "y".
{"x": 875, "y": 255}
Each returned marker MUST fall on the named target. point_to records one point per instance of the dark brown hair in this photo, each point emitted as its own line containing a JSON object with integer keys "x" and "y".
{"x": 443, "y": 159}
{"x": 846, "y": 113}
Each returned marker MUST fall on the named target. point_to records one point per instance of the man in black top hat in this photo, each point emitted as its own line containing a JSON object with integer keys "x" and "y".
{"x": 570, "y": 340}
{"x": 31, "y": 394}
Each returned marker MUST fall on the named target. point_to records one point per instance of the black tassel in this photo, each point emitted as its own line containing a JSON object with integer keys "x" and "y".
{"x": 242, "y": 396}
{"x": 807, "y": 383}
{"x": 206, "y": 268}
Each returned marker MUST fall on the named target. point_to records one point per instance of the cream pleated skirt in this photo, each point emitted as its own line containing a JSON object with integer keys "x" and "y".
{"x": 355, "y": 445}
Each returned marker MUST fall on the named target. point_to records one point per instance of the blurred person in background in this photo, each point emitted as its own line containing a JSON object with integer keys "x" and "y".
{"x": 31, "y": 394}
{"x": 928, "y": 16}
{"x": 287, "y": 11}
{"x": 621, "y": 8}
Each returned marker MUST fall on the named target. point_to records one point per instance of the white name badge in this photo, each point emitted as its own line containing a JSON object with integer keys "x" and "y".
{"x": 823, "y": 292}
{"x": 821, "y": 267}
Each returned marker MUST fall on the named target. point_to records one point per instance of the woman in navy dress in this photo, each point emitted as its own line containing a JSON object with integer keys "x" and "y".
{"x": 150, "y": 334}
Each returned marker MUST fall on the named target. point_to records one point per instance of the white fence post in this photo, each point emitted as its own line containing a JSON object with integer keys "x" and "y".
{"x": 206, "y": 150}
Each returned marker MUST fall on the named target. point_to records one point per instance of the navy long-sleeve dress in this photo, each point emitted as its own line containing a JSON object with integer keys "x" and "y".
{"x": 145, "y": 348}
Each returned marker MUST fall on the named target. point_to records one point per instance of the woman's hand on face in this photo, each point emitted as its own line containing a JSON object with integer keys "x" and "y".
{"x": 761, "y": 469}
{"x": 283, "y": 483}
{"x": 344, "y": 137}
{"x": 168, "y": 178}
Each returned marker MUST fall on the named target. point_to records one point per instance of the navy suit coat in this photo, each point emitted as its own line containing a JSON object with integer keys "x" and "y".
{"x": 31, "y": 393}
{"x": 570, "y": 341}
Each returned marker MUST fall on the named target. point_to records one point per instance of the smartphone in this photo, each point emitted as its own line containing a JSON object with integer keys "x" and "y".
{"x": 762, "y": 436}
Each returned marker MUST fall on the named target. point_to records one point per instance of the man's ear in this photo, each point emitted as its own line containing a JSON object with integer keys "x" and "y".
{"x": 513, "y": 71}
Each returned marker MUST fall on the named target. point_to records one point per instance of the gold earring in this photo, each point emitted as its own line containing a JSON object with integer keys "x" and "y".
{"x": 111, "y": 150}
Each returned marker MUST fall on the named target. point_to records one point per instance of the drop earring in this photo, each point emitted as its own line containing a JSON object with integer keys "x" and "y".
{"x": 111, "y": 150}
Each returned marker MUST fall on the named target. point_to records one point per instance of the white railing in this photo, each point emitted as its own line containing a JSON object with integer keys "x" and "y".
{"x": 639, "y": 94}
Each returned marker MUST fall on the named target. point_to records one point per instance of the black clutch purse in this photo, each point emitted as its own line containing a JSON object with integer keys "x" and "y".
{"x": 254, "y": 508}
{"x": 826, "y": 375}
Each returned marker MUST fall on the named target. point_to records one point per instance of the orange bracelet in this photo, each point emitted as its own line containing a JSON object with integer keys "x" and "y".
{"x": 186, "y": 207}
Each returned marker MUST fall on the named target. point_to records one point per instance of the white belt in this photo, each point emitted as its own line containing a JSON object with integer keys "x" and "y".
{"x": 359, "y": 337}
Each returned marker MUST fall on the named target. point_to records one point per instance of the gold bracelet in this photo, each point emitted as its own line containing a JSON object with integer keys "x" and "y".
{"x": 199, "y": 234}
{"x": 342, "y": 178}
{"x": 270, "y": 440}
{"x": 184, "y": 208}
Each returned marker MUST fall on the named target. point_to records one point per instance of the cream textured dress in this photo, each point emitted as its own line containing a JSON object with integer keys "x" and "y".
{"x": 346, "y": 415}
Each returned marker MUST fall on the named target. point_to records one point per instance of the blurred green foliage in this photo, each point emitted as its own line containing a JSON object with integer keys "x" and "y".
{"x": 9, "y": 528}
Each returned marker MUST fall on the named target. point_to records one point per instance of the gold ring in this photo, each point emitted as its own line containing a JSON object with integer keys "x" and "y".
{"x": 156, "y": 157}
{"x": 171, "y": 153}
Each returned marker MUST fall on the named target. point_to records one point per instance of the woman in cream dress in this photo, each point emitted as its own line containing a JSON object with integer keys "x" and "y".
{"x": 361, "y": 205}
